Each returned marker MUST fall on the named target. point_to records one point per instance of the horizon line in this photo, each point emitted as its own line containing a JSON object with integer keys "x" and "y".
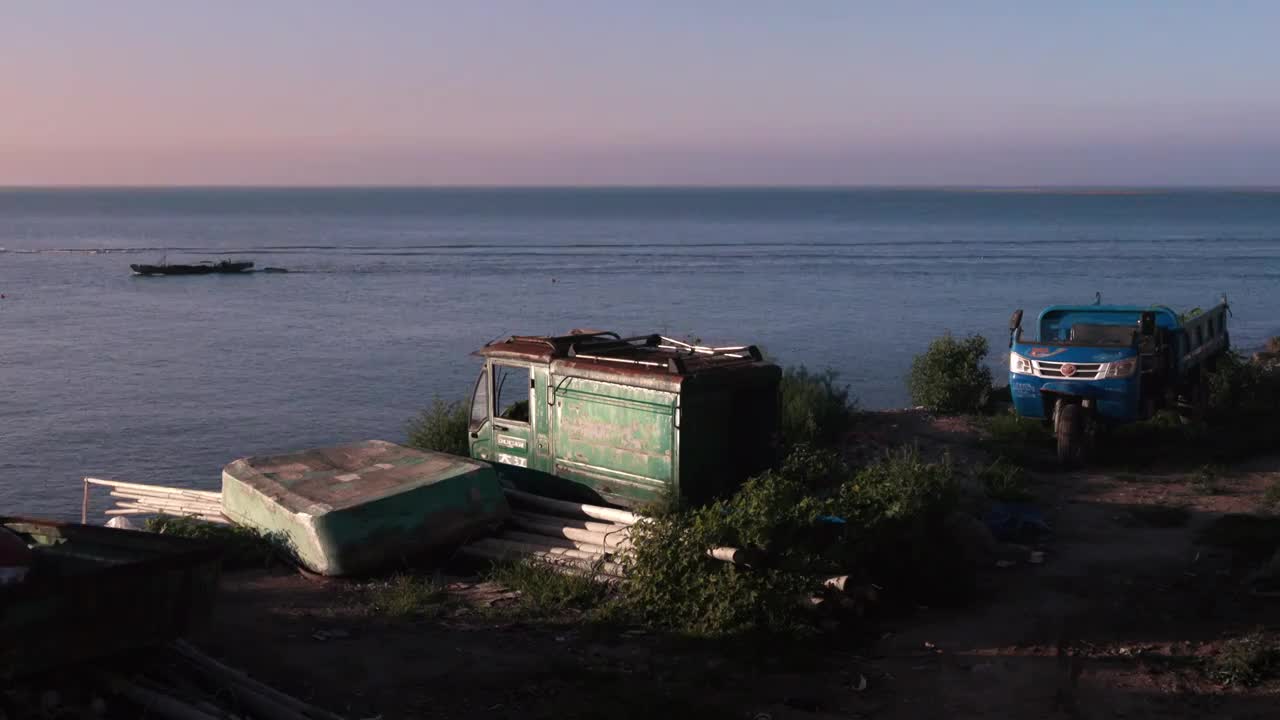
{"x": 949, "y": 187}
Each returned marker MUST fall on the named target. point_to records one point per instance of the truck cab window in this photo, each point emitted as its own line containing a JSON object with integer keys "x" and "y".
{"x": 511, "y": 392}
{"x": 480, "y": 401}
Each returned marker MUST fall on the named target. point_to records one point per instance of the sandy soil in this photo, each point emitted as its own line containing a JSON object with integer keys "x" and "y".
{"x": 1117, "y": 622}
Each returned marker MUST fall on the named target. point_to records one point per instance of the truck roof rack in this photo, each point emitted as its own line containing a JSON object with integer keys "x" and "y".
{"x": 654, "y": 352}
{"x": 658, "y": 351}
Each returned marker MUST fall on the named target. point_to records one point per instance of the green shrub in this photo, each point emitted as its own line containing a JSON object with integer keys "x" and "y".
{"x": 442, "y": 428}
{"x": 1240, "y": 386}
{"x": 672, "y": 583}
{"x": 950, "y": 376}
{"x": 890, "y": 528}
{"x": 1246, "y": 660}
{"x": 815, "y": 408}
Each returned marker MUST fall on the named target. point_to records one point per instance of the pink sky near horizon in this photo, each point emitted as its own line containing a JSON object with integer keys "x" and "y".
{"x": 390, "y": 92}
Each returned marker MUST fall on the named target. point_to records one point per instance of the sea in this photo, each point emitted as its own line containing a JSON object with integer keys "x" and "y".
{"x": 389, "y": 291}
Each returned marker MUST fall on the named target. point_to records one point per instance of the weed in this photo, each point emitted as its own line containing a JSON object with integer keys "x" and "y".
{"x": 950, "y": 376}
{"x": 408, "y": 595}
{"x": 242, "y": 547}
{"x": 1246, "y": 660}
{"x": 1205, "y": 480}
{"x": 1271, "y": 497}
{"x": 544, "y": 589}
{"x": 816, "y": 409}
{"x": 442, "y": 428}
{"x": 1005, "y": 481}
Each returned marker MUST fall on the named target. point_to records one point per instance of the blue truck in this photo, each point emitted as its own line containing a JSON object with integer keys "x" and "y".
{"x": 1097, "y": 366}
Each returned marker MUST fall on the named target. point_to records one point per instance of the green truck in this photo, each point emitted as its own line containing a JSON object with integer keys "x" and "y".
{"x": 597, "y": 417}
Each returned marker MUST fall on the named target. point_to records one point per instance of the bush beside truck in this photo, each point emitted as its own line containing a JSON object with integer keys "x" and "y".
{"x": 950, "y": 376}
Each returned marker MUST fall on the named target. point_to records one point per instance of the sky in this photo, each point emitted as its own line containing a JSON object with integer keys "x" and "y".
{"x": 554, "y": 92}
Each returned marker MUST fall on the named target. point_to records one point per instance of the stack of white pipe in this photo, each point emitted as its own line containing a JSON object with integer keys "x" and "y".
{"x": 139, "y": 499}
{"x": 576, "y": 538}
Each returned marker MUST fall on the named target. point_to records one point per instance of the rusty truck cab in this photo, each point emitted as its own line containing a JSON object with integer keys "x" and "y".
{"x": 598, "y": 417}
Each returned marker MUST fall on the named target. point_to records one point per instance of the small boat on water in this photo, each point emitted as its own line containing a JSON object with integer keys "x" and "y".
{"x": 201, "y": 268}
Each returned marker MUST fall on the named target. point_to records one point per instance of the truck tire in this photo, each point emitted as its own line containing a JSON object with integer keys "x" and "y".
{"x": 1070, "y": 433}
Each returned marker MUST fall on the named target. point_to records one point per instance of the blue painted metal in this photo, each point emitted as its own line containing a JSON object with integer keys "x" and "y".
{"x": 1056, "y": 320}
{"x": 1183, "y": 348}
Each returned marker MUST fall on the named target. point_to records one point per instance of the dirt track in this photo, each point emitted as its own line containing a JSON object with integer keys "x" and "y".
{"x": 1118, "y": 621}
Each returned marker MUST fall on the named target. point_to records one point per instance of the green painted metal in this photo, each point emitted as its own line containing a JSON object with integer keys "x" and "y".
{"x": 625, "y": 434}
{"x": 352, "y": 509}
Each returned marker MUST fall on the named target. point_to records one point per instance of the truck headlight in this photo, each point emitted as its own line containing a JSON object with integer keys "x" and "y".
{"x": 1118, "y": 369}
{"x": 1019, "y": 364}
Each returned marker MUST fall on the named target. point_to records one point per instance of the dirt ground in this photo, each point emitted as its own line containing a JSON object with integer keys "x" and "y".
{"x": 1118, "y": 621}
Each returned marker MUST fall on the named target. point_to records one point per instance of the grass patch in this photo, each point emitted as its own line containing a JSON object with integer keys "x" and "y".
{"x": 408, "y": 596}
{"x": 545, "y": 590}
{"x": 950, "y": 376}
{"x": 1005, "y": 481}
{"x": 816, "y": 409}
{"x": 242, "y": 547}
{"x": 1246, "y": 661}
{"x": 442, "y": 428}
{"x": 1159, "y": 516}
{"x": 1023, "y": 441}
{"x": 1253, "y": 537}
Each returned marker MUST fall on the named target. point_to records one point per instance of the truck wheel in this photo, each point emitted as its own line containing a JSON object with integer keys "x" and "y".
{"x": 1070, "y": 433}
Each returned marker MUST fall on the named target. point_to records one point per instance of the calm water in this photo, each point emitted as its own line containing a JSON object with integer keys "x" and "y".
{"x": 167, "y": 379}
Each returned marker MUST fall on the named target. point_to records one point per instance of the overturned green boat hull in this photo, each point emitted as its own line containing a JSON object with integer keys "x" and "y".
{"x": 359, "y": 508}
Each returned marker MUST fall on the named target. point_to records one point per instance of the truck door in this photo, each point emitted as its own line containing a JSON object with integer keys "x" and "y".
{"x": 479, "y": 429}
{"x": 513, "y": 396}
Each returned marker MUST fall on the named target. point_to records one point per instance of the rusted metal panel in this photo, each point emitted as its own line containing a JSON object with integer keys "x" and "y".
{"x": 617, "y": 438}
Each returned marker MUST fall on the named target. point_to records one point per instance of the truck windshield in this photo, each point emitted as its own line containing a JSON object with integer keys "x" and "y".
{"x": 1113, "y": 335}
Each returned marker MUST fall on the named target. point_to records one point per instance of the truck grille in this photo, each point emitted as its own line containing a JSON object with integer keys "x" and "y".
{"x": 1083, "y": 371}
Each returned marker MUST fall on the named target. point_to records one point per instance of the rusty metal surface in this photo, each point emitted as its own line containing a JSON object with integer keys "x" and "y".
{"x": 644, "y": 356}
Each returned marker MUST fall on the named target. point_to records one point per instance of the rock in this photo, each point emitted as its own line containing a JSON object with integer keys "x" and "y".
{"x": 120, "y": 522}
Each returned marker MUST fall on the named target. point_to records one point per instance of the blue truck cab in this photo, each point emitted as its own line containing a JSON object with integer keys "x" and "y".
{"x": 1094, "y": 366}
